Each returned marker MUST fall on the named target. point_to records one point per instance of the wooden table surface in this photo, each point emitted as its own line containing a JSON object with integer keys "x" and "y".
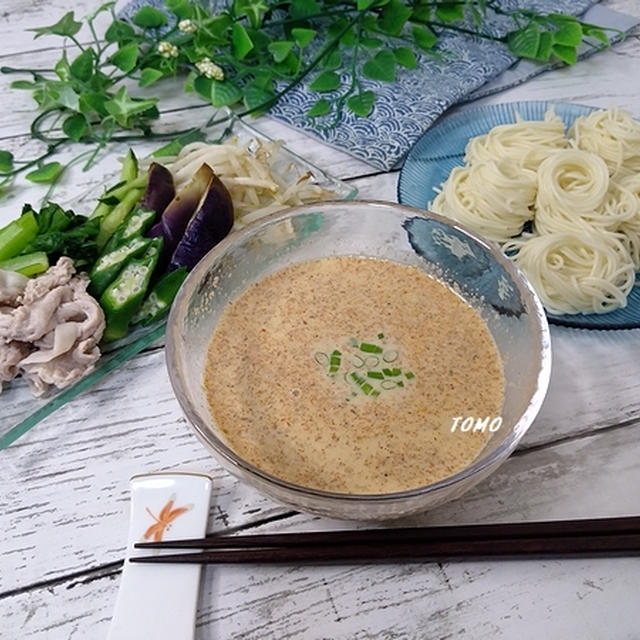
{"x": 65, "y": 485}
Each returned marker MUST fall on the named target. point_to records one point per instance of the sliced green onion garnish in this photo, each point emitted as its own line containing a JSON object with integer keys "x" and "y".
{"x": 367, "y": 389}
{"x": 357, "y": 364}
{"x": 321, "y": 358}
{"x": 390, "y": 356}
{"x": 372, "y": 361}
{"x": 409, "y": 375}
{"x": 378, "y": 375}
{"x": 380, "y": 336}
{"x": 334, "y": 361}
{"x": 370, "y": 348}
{"x": 391, "y": 373}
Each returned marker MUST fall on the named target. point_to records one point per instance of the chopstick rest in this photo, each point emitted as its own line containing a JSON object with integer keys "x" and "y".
{"x": 160, "y": 602}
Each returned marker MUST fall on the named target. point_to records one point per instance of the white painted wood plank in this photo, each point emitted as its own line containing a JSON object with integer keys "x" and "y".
{"x": 18, "y": 16}
{"x": 566, "y": 598}
{"x": 73, "y": 467}
{"x": 65, "y": 498}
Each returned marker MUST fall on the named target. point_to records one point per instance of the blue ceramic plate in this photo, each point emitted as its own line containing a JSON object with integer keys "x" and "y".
{"x": 441, "y": 148}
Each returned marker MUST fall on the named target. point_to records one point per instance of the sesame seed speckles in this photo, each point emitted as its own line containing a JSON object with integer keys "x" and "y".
{"x": 298, "y": 425}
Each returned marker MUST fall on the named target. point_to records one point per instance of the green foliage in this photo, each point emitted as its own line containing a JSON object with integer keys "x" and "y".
{"x": 381, "y": 67}
{"x": 362, "y": 103}
{"x": 6, "y": 160}
{"x": 449, "y": 12}
{"x": 46, "y": 173}
{"x": 393, "y": 17}
{"x": 66, "y": 26}
{"x": 251, "y": 52}
{"x": 321, "y": 108}
{"x": 149, "y": 18}
{"x": 326, "y": 81}
{"x": 406, "y": 57}
{"x": 126, "y": 57}
{"x": 75, "y": 127}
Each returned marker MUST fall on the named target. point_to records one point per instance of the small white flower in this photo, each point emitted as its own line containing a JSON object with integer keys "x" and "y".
{"x": 167, "y": 50}
{"x": 187, "y": 26}
{"x": 210, "y": 69}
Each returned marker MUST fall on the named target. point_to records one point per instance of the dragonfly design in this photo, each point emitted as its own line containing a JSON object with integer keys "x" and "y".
{"x": 166, "y": 516}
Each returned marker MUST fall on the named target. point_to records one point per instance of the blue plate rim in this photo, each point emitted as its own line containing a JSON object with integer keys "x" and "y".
{"x": 571, "y": 321}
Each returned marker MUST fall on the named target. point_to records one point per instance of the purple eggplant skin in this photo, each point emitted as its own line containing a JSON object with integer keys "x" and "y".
{"x": 160, "y": 190}
{"x": 180, "y": 210}
{"x": 210, "y": 224}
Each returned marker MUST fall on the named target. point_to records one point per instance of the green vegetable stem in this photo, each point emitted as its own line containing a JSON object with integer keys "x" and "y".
{"x": 123, "y": 296}
{"x": 30, "y": 264}
{"x": 17, "y": 235}
{"x": 129, "y": 167}
{"x": 159, "y": 301}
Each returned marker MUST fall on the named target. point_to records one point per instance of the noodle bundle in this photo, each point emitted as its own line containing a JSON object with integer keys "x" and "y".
{"x": 576, "y": 272}
{"x": 613, "y": 135}
{"x": 572, "y": 187}
{"x": 492, "y": 198}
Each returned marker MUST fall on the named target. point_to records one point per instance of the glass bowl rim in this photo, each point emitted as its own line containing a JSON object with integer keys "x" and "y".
{"x": 211, "y": 441}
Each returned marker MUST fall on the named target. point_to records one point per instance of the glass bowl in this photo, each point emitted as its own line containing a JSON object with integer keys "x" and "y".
{"x": 457, "y": 257}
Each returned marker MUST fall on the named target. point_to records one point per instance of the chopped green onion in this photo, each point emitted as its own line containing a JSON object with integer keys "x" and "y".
{"x": 380, "y": 336}
{"x": 370, "y": 348}
{"x": 334, "y": 361}
{"x": 321, "y": 358}
{"x": 390, "y": 356}
{"x": 409, "y": 375}
{"x": 378, "y": 375}
{"x": 372, "y": 361}
{"x": 357, "y": 365}
{"x": 367, "y": 389}
{"x": 391, "y": 373}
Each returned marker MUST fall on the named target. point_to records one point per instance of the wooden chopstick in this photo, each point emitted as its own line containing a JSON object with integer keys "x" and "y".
{"x": 565, "y": 546}
{"x": 609, "y": 536}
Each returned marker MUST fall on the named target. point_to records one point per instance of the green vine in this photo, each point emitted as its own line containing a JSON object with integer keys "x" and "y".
{"x": 251, "y": 54}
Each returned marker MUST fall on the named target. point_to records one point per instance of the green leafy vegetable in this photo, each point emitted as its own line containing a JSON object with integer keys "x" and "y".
{"x": 30, "y": 264}
{"x": 15, "y": 236}
{"x": 63, "y": 233}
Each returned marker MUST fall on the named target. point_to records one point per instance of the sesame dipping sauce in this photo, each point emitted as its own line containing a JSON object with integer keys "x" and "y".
{"x": 345, "y": 374}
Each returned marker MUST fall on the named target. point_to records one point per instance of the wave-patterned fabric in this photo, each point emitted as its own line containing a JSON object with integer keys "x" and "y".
{"x": 407, "y": 107}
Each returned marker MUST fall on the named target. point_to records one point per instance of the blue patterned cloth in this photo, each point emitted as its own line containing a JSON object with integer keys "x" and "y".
{"x": 407, "y": 107}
